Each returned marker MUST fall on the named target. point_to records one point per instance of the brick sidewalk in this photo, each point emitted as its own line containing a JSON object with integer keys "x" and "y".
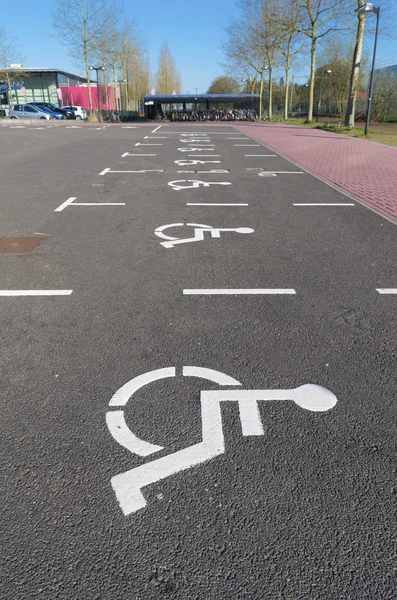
{"x": 365, "y": 170}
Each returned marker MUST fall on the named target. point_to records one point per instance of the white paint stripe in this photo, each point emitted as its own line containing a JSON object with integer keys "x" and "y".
{"x": 204, "y": 155}
{"x": 65, "y": 204}
{"x": 247, "y": 145}
{"x": 256, "y": 155}
{"x": 214, "y": 204}
{"x": 326, "y": 204}
{"x": 121, "y": 397}
{"x": 140, "y": 144}
{"x": 387, "y": 290}
{"x": 129, "y": 154}
{"x": 237, "y": 291}
{"x": 250, "y": 417}
{"x": 155, "y": 137}
{"x": 140, "y": 171}
{"x": 105, "y": 171}
{"x": 35, "y": 292}
{"x": 215, "y": 376}
{"x": 124, "y": 436}
{"x": 285, "y": 172}
{"x": 157, "y": 128}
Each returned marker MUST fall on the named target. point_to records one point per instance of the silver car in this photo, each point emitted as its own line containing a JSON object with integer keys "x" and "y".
{"x": 25, "y": 111}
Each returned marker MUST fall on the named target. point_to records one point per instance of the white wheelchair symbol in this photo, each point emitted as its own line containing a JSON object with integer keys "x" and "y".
{"x": 185, "y": 162}
{"x": 195, "y": 149}
{"x": 200, "y": 231}
{"x": 128, "y": 485}
{"x": 195, "y": 183}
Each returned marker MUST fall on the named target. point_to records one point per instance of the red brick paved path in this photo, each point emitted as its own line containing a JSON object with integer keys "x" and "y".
{"x": 365, "y": 170}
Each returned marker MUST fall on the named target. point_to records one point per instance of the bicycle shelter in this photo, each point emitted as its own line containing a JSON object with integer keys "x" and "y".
{"x": 159, "y": 103}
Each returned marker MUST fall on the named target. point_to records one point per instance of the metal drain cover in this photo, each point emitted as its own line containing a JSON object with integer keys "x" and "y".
{"x": 19, "y": 245}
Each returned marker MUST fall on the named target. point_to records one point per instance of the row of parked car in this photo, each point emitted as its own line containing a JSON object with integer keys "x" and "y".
{"x": 46, "y": 110}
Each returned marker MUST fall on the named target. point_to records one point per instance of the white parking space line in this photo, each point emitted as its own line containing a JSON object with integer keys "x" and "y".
{"x": 129, "y": 154}
{"x": 35, "y": 292}
{"x": 387, "y": 290}
{"x": 155, "y": 137}
{"x": 326, "y": 204}
{"x": 157, "y": 128}
{"x": 140, "y": 171}
{"x": 236, "y": 292}
{"x": 204, "y": 155}
{"x": 247, "y": 145}
{"x": 140, "y": 144}
{"x": 70, "y": 202}
{"x": 260, "y": 155}
{"x": 215, "y": 204}
{"x": 283, "y": 172}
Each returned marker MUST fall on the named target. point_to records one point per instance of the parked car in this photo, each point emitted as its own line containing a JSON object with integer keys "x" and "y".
{"x": 24, "y": 111}
{"x": 78, "y": 111}
{"x": 68, "y": 114}
{"x": 54, "y": 114}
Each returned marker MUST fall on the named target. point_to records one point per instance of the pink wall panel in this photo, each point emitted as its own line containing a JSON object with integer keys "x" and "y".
{"x": 78, "y": 96}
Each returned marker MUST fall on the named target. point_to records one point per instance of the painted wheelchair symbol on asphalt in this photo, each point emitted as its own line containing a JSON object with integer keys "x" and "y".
{"x": 128, "y": 485}
{"x": 200, "y": 232}
{"x": 195, "y": 183}
{"x": 185, "y": 163}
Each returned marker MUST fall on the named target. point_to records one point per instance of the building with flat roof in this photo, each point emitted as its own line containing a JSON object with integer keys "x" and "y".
{"x": 43, "y": 84}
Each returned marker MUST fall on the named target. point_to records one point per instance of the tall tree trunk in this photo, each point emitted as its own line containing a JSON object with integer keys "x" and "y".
{"x": 270, "y": 115}
{"x": 355, "y": 72}
{"x": 287, "y": 65}
{"x": 261, "y": 95}
{"x": 312, "y": 76}
{"x": 115, "y": 90}
{"x": 87, "y": 70}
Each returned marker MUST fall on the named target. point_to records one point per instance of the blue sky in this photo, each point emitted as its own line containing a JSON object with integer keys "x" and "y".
{"x": 193, "y": 34}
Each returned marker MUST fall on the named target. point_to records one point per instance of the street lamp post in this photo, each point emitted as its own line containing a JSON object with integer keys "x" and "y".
{"x": 368, "y": 8}
{"x": 101, "y": 68}
{"x": 321, "y": 90}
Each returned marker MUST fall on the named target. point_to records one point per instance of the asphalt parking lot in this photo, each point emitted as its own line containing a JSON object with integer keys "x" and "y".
{"x": 158, "y": 442}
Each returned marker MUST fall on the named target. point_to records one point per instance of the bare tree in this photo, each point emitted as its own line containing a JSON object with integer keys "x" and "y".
{"x": 9, "y": 54}
{"x": 289, "y": 44}
{"x": 80, "y": 24}
{"x": 355, "y": 68}
{"x": 224, "y": 85}
{"x": 318, "y": 17}
{"x": 168, "y": 78}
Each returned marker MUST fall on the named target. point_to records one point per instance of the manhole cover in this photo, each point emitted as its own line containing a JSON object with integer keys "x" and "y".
{"x": 19, "y": 245}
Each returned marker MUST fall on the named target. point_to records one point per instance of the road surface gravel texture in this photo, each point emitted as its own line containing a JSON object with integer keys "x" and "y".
{"x": 205, "y": 407}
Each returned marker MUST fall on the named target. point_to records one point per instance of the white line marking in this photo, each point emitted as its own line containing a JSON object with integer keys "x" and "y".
{"x": 260, "y": 155}
{"x": 105, "y": 171}
{"x": 124, "y": 436}
{"x": 215, "y": 376}
{"x": 90, "y": 204}
{"x": 247, "y": 145}
{"x": 204, "y": 155}
{"x": 140, "y": 171}
{"x": 214, "y": 204}
{"x": 129, "y": 127}
{"x": 284, "y": 172}
{"x": 129, "y": 154}
{"x": 325, "y": 204}
{"x": 387, "y": 290}
{"x": 123, "y": 394}
{"x": 140, "y": 144}
{"x": 157, "y": 128}
{"x": 97, "y": 184}
{"x": 35, "y": 292}
{"x": 65, "y": 204}
{"x": 156, "y": 137}
{"x": 239, "y": 291}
